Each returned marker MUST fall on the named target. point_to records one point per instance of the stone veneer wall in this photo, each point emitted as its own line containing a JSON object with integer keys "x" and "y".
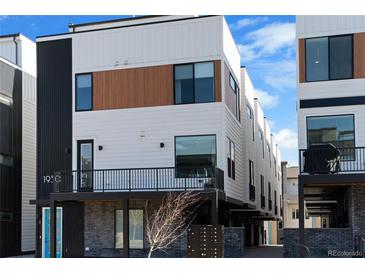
{"x": 358, "y": 210}
{"x": 319, "y": 241}
{"x": 99, "y": 234}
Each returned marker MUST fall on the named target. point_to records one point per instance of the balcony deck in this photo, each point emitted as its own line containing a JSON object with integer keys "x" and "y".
{"x": 138, "y": 179}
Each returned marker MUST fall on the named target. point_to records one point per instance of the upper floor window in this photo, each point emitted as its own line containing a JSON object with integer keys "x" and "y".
{"x": 337, "y": 130}
{"x": 231, "y": 159}
{"x": 269, "y": 190}
{"x": 195, "y": 154}
{"x": 261, "y": 136}
{"x": 251, "y": 172}
{"x": 194, "y": 83}
{"x": 269, "y": 152}
{"x": 234, "y": 87}
{"x": 251, "y": 121}
{"x": 262, "y": 182}
{"x": 329, "y": 58}
{"x": 84, "y": 92}
{"x": 275, "y": 166}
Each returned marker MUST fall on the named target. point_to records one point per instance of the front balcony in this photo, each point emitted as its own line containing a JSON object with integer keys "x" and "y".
{"x": 138, "y": 179}
{"x": 328, "y": 159}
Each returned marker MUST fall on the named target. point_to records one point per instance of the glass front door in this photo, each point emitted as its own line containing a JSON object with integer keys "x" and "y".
{"x": 46, "y": 244}
{"x": 85, "y": 165}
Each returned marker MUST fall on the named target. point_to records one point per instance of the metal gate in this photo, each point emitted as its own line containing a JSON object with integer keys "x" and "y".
{"x": 205, "y": 241}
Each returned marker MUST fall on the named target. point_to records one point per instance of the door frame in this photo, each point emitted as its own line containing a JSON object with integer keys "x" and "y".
{"x": 79, "y": 143}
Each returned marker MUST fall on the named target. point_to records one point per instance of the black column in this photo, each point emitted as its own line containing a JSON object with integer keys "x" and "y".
{"x": 126, "y": 228}
{"x": 214, "y": 209}
{"x": 301, "y": 217}
{"x": 53, "y": 225}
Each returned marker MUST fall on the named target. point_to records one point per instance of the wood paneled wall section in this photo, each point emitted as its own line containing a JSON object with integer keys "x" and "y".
{"x": 136, "y": 87}
{"x": 140, "y": 87}
{"x": 359, "y": 55}
{"x": 230, "y": 97}
{"x": 301, "y": 59}
{"x": 218, "y": 81}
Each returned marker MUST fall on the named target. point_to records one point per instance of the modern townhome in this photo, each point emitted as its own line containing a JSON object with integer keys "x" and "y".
{"x": 17, "y": 144}
{"x": 331, "y": 98}
{"x": 290, "y": 201}
{"x": 131, "y": 109}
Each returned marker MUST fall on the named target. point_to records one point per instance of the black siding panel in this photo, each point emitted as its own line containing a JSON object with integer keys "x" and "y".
{"x": 332, "y": 102}
{"x": 11, "y": 145}
{"x": 54, "y": 111}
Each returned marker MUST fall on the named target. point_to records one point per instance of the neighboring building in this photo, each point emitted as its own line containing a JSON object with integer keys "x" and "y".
{"x": 331, "y": 98}
{"x": 17, "y": 144}
{"x": 291, "y": 207}
{"x": 131, "y": 109}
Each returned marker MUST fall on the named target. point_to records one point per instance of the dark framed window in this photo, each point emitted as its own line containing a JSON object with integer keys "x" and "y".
{"x": 329, "y": 58}
{"x": 194, "y": 83}
{"x": 6, "y": 216}
{"x": 195, "y": 155}
{"x": 269, "y": 190}
{"x": 136, "y": 228}
{"x": 262, "y": 182}
{"x": 338, "y": 130}
{"x": 251, "y": 120}
{"x": 275, "y": 166}
{"x": 251, "y": 170}
{"x": 269, "y": 153}
{"x": 85, "y": 164}
{"x": 261, "y": 137}
{"x": 6, "y": 160}
{"x": 275, "y": 198}
{"x": 231, "y": 166}
{"x": 235, "y": 89}
{"x": 84, "y": 92}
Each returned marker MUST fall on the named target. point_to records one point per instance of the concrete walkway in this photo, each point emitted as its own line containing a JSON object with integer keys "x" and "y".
{"x": 266, "y": 251}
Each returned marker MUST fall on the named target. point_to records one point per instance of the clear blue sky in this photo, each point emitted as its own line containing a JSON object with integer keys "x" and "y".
{"x": 267, "y": 46}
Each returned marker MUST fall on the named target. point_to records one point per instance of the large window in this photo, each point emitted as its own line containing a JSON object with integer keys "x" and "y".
{"x": 329, "y": 58}
{"x": 85, "y": 163}
{"x": 262, "y": 182}
{"x": 194, "y": 83}
{"x": 195, "y": 155}
{"x": 261, "y": 136}
{"x": 231, "y": 159}
{"x": 251, "y": 120}
{"x": 251, "y": 170}
{"x": 337, "y": 130}
{"x": 135, "y": 228}
{"x": 235, "y": 89}
{"x": 84, "y": 92}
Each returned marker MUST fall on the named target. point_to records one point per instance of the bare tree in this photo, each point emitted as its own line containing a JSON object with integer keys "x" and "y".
{"x": 169, "y": 222}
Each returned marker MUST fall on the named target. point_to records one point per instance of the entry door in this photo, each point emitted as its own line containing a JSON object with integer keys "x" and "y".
{"x": 46, "y": 244}
{"x": 85, "y": 165}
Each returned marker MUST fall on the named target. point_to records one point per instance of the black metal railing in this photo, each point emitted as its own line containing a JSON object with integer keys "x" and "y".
{"x": 331, "y": 160}
{"x": 270, "y": 204}
{"x": 130, "y": 179}
{"x": 263, "y": 203}
{"x": 252, "y": 193}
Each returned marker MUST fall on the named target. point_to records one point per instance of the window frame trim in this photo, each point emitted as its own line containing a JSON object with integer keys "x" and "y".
{"x": 92, "y": 91}
{"x": 233, "y": 170}
{"x": 198, "y": 135}
{"x": 331, "y": 115}
{"x": 328, "y": 54}
{"x": 193, "y": 64}
{"x": 79, "y": 143}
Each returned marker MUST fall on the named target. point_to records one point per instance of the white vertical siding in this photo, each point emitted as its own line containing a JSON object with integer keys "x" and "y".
{"x": 230, "y": 50}
{"x": 28, "y": 214}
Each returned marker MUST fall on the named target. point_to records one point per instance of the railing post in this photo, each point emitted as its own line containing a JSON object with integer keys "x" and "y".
{"x": 103, "y": 180}
{"x": 129, "y": 179}
{"x": 157, "y": 179}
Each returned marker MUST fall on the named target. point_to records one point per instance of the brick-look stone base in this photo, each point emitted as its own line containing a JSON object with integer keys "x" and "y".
{"x": 358, "y": 210}
{"x": 100, "y": 232}
{"x": 319, "y": 241}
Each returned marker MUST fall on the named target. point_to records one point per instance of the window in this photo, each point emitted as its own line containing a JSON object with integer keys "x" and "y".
{"x": 231, "y": 159}
{"x": 85, "y": 163}
{"x": 329, "y": 58}
{"x": 275, "y": 199}
{"x": 275, "y": 166}
{"x": 269, "y": 189}
{"x": 84, "y": 92}
{"x": 295, "y": 214}
{"x": 251, "y": 121}
{"x": 269, "y": 152}
{"x": 262, "y": 182}
{"x": 337, "y": 130}
{"x": 234, "y": 87}
{"x": 6, "y": 100}
{"x": 261, "y": 136}
{"x": 251, "y": 173}
{"x": 135, "y": 228}
{"x": 6, "y": 160}
{"x": 6, "y": 216}
{"x": 194, "y": 83}
{"x": 195, "y": 155}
